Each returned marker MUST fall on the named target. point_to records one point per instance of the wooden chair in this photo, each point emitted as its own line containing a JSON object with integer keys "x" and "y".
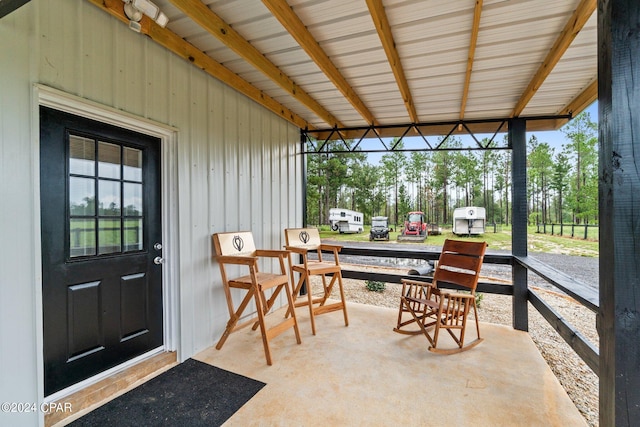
{"x": 239, "y": 249}
{"x": 302, "y": 241}
{"x": 432, "y": 308}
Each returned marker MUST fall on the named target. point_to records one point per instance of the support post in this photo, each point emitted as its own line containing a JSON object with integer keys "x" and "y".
{"x": 303, "y": 168}
{"x": 619, "y": 210}
{"x": 518, "y": 142}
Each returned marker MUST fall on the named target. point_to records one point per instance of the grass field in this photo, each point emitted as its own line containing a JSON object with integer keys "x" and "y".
{"x": 500, "y": 240}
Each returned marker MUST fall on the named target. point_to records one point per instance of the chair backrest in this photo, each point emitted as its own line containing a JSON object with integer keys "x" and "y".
{"x": 234, "y": 244}
{"x": 460, "y": 263}
{"x": 307, "y": 238}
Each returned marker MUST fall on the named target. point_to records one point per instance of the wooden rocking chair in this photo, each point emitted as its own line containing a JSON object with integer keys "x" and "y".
{"x": 239, "y": 249}
{"x": 302, "y": 241}
{"x": 432, "y": 308}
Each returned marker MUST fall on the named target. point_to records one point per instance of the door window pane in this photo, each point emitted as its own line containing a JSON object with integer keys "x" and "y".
{"x": 132, "y": 164}
{"x": 133, "y": 234}
{"x": 82, "y": 156}
{"x": 82, "y": 237}
{"x": 109, "y": 198}
{"x": 132, "y": 200}
{"x": 109, "y": 236}
{"x": 105, "y": 198}
{"x": 82, "y": 196}
{"x": 108, "y": 160}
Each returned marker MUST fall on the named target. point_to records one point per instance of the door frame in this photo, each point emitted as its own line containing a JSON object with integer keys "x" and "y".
{"x": 168, "y": 135}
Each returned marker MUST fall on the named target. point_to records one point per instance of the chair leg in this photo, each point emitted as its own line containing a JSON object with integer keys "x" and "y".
{"x": 263, "y": 330}
{"x": 318, "y": 305}
{"x": 310, "y": 304}
{"x": 323, "y": 308}
{"x": 448, "y": 323}
{"x": 423, "y": 316}
{"x": 475, "y": 314}
{"x": 342, "y": 298}
{"x": 294, "y": 294}
{"x": 266, "y": 304}
{"x": 400, "y": 312}
{"x": 327, "y": 288}
{"x": 419, "y": 321}
{"x": 233, "y": 320}
{"x": 293, "y": 314}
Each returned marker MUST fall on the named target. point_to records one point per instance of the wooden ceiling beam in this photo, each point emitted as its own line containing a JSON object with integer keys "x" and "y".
{"x": 187, "y": 51}
{"x": 475, "y": 29}
{"x": 380, "y": 20}
{"x": 571, "y": 29}
{"x": 587, "y": 97}
{"x": 292, "y": 23}
{"x": 217, "y": 27}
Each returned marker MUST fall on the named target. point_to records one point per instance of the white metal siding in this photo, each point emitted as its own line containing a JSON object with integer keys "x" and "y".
{"x": 238, "y": 164}
{"x": 18, "y": 360}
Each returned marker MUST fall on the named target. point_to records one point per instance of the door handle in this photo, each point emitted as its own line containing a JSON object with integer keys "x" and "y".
{"x": 158, "y": 260}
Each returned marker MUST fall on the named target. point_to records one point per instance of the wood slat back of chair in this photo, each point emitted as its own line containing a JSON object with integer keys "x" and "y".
{"x": 460, "y": 263}
{"x": 234, "y": 244}
{"x": 307, "y": 238}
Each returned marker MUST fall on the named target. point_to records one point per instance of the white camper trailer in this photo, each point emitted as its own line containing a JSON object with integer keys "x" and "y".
{"x": 469, "y": 220}
{"x": 345, "y": 220}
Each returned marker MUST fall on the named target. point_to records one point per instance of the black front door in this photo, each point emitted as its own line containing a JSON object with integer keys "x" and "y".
{"x": 101, "y": 231}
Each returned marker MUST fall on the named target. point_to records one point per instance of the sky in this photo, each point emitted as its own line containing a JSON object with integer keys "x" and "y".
{"x": 557, "y": 138}
{"x": 554, "y": 138}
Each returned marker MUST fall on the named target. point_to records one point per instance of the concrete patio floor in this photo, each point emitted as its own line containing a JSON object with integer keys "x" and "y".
{"x": 366, "y": 374}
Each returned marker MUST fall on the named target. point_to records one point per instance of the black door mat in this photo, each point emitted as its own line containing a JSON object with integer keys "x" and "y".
{"x": 192, "y": 393}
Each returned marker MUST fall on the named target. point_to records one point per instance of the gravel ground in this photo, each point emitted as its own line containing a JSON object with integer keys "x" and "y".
{"x": 575, "y": 376}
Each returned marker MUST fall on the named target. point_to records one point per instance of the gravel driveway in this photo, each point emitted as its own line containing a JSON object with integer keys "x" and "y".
{"x": 583, "y": 269}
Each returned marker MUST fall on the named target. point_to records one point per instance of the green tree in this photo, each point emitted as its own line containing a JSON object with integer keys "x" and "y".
{"x": 326, "y": 175}
{"x": 416, "y": 175}
{"x": 440, "y": 181}
{"x": 315, "y": 184}
{"x": 404, "y": 201}
{"x": 467, "y": 176}
{"x": 539, "y": 171}
{"x": 490, "y": 164}
{"x": 582, "y": 147}
{"x": 364, "y": 178}
{"x": 393, "y": 164}
{"x": 560, "y": 182}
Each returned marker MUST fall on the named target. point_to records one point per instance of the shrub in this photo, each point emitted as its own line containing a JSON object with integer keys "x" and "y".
{"x": 479, "y": 299}
{"x": 374, "y": 286}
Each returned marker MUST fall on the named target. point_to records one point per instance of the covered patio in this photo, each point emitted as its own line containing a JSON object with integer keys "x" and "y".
{"x": 365, "y": 374}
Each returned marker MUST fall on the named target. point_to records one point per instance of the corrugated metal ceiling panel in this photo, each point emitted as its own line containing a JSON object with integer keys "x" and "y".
{"x": 432, "y": 39}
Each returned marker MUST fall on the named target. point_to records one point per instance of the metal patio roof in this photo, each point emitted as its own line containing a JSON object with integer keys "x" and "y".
{"x": 323, "y": 64}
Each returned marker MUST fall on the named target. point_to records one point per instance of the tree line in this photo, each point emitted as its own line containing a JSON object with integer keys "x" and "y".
{"x": 562, "y": 184}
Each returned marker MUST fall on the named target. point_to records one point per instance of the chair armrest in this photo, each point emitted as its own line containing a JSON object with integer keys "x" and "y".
{"x": 458, "y": 295}
{"x": 419, "y": 283}
{"x": 297, "y": 249}
{"x": 240, "y": 260}
{"x": 271, "y": 253}
{"x": 328, "y": 247}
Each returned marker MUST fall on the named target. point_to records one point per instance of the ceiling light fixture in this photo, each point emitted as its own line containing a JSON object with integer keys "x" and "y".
{"x": 134, "y": 9}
